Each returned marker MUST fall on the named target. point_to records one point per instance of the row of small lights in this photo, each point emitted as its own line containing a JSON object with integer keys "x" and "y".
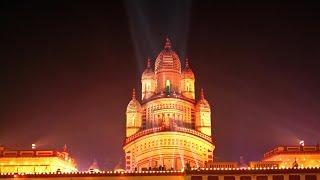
{"x": 150, "y": 172}
{"x": 86, "y": 172}
{"x": 259, "y": 168}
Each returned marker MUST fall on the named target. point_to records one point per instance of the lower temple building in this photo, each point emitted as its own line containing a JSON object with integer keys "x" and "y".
{"x": 35, "y": 161}
{"x": 168, "y": 127}
{"x": 290, "y": 157}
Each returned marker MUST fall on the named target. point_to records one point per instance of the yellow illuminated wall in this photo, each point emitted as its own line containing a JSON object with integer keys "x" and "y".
{"x": 287, "y": 156}
{"x": 171, "y": 149}
{"x": 303, "y": 159}
{"x": 169, "y": 110}
{"x": 35, "y": 164}
{"x": 187, "y": 88}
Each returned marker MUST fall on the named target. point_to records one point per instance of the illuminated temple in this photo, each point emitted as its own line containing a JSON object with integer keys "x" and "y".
{"x": 168, "y": 131}
{"x": 168, "y": 137}
{"x": 168, "y": 127}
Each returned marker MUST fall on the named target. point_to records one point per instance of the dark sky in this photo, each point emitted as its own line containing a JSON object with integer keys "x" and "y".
{"x": 68, "y": 67}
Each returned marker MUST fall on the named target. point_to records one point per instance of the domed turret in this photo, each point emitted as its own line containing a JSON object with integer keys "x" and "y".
{"x": 148, "y": 72}
{"x": 203, "y": 103}
{"x": 148, "y": 83}
{"x": 203, "y": 115}
{"x": 167, "y": 59}
{"x": 187, "y": 72}
{"x": 134, "y": 105}
{"x": 168, "y": 69}
{"x": 133, "y": 115}
{"x": 187, "y": 82}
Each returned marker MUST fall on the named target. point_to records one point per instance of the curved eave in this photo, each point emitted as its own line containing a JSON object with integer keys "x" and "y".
{"x": 172, "y": 95}
{"x": 167, "y": 70}
{"x": 147, "y": 132}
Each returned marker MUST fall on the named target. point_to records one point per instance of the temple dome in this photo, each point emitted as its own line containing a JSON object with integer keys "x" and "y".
{"x": 134, "y": 105}
{"x": 187, "y": 73}
{"x": 148, "y": 73}
{"x": 202, "y": 103}
{"x": 167, "y": 60}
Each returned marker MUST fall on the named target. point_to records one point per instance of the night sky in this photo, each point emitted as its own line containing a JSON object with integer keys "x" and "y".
{"x": 68, "y": 67}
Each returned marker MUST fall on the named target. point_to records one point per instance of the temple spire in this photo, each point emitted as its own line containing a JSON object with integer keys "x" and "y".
{"x": 65, "y": 149}
{"x": 201, "y": 94}
{"x": 187, "y": 63}
{"x": 167, "y": 45}
{"x": 133, "y": 94}
{"x": 148, "y": 63}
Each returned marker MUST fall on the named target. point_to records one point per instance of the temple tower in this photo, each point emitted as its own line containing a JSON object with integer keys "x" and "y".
{"x": 168, "y": 127}
{"x": 187, "y": 82}
{"x": 148, "y": 82}
{"x": 133, "y": 115}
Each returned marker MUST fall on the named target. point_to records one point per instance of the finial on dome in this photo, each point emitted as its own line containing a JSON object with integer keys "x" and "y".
{"x": 201, "y": 94}
{"x": 133, "y": 93}
{"x": 149, "y": 63}
{"x": 65, "y": 149}
{"x": 187, "y": 63}
{"x": 167, "y": 45}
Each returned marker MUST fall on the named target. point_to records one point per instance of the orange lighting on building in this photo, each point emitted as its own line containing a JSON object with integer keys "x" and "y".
{"x": 290, "y": 157}
{"x": 168, "y": 128}
{"x": 35, "y": 161}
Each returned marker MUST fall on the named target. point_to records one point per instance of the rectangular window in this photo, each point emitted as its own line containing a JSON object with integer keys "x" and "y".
{"x": 168, "y": 89}
{"x": 311, "y": 177}
{"x": 213, "y": 178}
{"x": 294, "y": 177}
{"x": 245, "y": 177}
{"x": 277, "y": 177}
{"x": 262, "y": 177}
{"x": 196, "y": 177}
{"x": 229, "y": 178}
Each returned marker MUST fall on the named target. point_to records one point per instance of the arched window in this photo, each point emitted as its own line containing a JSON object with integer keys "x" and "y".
{"x": 148, "y": 86}
{"x": 167, "y": 87}
{"x": 188, "y": 87}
